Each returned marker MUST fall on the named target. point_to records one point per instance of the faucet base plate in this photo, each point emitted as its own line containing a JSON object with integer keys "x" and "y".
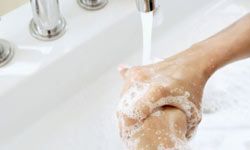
{"x": 6, "y": 52}
{"x": 48, "y": 35}
{"x": 94, "y": 5}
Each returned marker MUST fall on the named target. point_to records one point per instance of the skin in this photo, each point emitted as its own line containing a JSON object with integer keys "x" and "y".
{"x": 188, "y": 71}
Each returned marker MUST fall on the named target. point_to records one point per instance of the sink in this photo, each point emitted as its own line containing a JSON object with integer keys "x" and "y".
{"x": 63, "y": 94}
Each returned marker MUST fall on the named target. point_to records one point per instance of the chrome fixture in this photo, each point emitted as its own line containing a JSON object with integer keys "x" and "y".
{"x": 47, "y": 23}
{"x": 146, "y": 5}
{"x": 6, "y": 52}
{"x": 142, "y": 5}
{"x": 92, "y": 4}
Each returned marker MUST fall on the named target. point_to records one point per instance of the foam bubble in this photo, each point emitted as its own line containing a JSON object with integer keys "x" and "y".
{"x": 156, "y": 114}
{"x": 130, "y": 98}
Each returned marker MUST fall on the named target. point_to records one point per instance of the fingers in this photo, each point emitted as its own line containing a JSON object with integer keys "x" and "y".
{"x": 165, "y": 127}
{"x": 146, "y": 105}
{"x": 134, "y": 73}
{"x": 131, "y": 75}
{"x": 123, "y": 69}
{"x": 138, "y": 97}
{"x": 139, "y": 101}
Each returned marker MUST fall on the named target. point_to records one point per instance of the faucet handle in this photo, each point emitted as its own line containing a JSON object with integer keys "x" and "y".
{"x": 47, "y": 22}
{"x": 92, "y": 4}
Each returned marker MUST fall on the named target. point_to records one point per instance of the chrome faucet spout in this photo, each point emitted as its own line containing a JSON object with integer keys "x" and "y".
{"x": 47, "y": 22}
{"x": 146, "y": 5}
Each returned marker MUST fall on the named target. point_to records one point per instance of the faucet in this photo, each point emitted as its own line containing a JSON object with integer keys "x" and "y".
{"x": 92, "y": 4}
{"x": 6, "y": 52}
{"x": 146, "y": 5}
{"x": 142, "y": 5}
{"x": 47, "y": 23}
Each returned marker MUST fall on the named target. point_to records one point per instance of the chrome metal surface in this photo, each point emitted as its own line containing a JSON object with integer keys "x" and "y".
{"x": 6, "y": 52}
{"x": 146, "y": 5}
{"x": 47, "y": 22}
{"x": 92, "y": 4}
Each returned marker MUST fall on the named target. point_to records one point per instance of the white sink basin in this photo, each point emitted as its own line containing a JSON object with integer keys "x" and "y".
{"x": 63, "y": 94}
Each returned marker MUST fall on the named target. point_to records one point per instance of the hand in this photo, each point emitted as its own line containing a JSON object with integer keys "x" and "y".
{"x": 143, "y": 94}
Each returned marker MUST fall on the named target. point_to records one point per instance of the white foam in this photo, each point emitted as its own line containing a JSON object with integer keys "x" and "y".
{"x": 156, "y": 114}
{"x": 128, "y": 101}
{"x": 182, "y": 102}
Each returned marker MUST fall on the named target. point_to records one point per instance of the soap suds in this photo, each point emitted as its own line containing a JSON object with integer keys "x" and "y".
{"x": 128, "y": 101}
{"x": 182, "y": 102}
{"x": 156, "y": 114}
{"x": 127, "y": 108}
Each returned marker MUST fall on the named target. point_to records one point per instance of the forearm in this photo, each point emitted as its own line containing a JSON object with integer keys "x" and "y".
{"x": 235, "y": 40}
{"x": 229, "y": 45}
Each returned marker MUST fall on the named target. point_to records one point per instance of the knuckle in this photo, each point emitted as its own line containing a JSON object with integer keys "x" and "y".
{"x": 138, "y": 73}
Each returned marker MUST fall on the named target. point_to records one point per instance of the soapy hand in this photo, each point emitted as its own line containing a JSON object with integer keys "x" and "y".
{"x": 153, "y": 100}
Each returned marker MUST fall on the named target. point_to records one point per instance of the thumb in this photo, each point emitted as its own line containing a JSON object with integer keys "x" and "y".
{"x": 123, "y": 70}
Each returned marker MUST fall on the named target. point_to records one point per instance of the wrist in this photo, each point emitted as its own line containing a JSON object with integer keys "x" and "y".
{"x": 207, "y": 57}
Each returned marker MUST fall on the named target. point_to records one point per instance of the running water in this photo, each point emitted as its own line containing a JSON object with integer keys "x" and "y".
{"x": 147, "y": 25}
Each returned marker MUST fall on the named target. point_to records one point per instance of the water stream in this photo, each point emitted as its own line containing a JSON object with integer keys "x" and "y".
{"x": 147, "y": 25}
